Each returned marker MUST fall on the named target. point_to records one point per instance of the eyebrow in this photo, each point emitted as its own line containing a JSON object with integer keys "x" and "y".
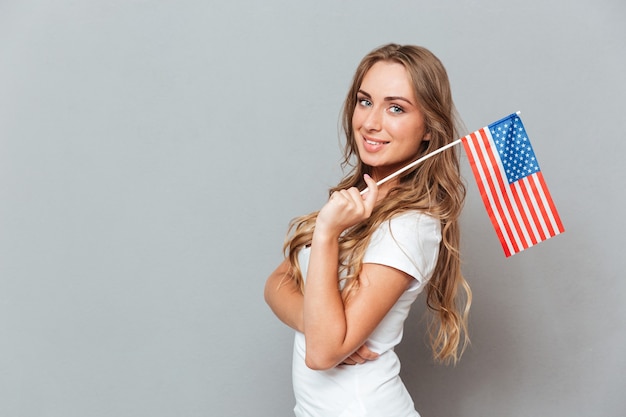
{"x": 390, "y": 98}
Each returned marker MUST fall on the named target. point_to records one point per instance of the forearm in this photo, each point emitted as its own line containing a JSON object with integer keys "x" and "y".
{"x": 286, "y": 301}
{"x": 324, "y": 315}
{"x": 330, "y": 335}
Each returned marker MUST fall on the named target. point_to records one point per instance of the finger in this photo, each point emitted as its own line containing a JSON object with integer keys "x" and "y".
{"x": 344, "y": 197}
{"x": 358, "y": 358}
{"x": 340, "y": 199}
{"x": 367, "y": 354}
{"x": 372, "y": 194}
{"x": 336, "y": 195}
{"x": 348, "y": 361}
{"x": 355, "y": 196}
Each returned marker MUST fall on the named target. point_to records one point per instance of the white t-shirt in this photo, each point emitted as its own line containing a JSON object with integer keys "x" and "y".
{"x": 408, "y": 242}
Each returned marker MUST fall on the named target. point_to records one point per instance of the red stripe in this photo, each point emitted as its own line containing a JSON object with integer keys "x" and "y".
{"x": 527, "y": 225}
{"x": 485, "y": 192}
{"x": 542, "y": 208}
{"x": 508, "y": 224}
{"x": 555, "y": 214}
{"x": 524, "y": 186}
{"x": 476, "y": 160}
{"x": 482, "y": 190}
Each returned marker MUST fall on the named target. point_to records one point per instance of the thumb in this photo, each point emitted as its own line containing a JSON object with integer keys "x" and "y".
{"x": 372, "y": 192}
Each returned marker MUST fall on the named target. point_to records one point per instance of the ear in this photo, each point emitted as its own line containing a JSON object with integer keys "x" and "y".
{"x": 426, "y": 136}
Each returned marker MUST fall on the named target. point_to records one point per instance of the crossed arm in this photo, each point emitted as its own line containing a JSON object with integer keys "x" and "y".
{"x": 335, "y": 331}
{"x": 361, "y": 316}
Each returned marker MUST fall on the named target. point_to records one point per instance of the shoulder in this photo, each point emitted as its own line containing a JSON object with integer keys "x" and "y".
{"x": 417, "y": 221}
{"x": 408, "y": 241}
{"x": 409, "y": 228}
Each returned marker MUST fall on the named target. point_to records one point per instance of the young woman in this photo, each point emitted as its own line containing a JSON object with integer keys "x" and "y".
{"x": 354, "y": 268}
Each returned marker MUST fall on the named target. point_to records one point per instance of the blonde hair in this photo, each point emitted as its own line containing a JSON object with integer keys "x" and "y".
{"x": 434, "y": 187}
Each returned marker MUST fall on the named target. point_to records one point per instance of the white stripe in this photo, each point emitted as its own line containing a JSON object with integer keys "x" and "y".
{"x": 547, "y": 207}
{"x": 480, "y": 168}
{"x": 518, "y": 214}
{"x": 517, "y": 209}
{"x": 527, "y": 212}
{"x": 501, "y": 197}
{"x": 536, "y": 205}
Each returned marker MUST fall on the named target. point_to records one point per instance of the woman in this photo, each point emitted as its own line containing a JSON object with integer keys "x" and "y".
{"x": 355, "y": 267}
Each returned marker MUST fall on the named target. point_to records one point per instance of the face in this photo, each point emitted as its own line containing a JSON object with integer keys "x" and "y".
{"x": 387, "y": 121}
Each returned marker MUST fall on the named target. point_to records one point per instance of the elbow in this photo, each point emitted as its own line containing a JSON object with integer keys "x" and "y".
{"x": 319, "y": 363}
{"x": 266, "y": 294}
{"x": 270, "y": 292}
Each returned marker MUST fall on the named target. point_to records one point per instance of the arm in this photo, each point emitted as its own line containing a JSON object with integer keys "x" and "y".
{"x": 284, "y": 297}
{"x": 347, "y": 328}
{"x": 286, "y": 301}
{"x": 333, "y": 330}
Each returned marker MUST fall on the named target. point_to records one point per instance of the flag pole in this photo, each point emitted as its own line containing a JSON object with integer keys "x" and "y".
{"x": 414, "y": 163}
{"x": 419, "y": 161}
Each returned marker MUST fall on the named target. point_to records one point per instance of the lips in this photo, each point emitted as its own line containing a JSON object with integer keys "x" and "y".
{"x": 376, "y": 142}
{"x": 373, "y": 145}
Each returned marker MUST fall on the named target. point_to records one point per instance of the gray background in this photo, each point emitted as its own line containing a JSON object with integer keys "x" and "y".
{"x": 153, "y": 152}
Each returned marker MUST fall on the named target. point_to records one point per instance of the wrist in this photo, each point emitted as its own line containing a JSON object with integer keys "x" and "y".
{"x": 323, "y": 237}
{"x": 325, "y": 230}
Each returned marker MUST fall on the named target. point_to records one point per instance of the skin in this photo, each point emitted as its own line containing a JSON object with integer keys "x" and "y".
{"x": 388, "y": 122}
{"x": 286, "y": 301}
{"x": 389, "y": 127}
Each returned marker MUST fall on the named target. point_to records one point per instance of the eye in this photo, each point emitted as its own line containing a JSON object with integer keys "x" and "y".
{"x": 363, "y": 101}
{"x": 396, "y": 109}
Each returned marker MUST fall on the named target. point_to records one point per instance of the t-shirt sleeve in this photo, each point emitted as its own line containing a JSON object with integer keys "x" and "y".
{"x": 408, "y": 242}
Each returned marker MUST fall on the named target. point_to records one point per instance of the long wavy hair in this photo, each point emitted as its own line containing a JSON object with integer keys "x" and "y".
{"x": 434, "y": 187}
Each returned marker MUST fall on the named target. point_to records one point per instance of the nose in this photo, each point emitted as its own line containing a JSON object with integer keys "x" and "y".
{"x": 373, "y": 120}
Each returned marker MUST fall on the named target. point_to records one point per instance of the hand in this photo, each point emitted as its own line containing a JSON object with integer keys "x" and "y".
{"x": 362, "y": 355}
{"x": 346, "y": 208}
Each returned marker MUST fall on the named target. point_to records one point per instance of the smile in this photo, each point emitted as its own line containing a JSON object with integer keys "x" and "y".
{"x": 373, "y": 146}
{"x": 375, "y": 142}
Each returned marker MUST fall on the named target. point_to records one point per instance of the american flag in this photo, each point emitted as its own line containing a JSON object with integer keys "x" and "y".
{"x": 511, "y": 185}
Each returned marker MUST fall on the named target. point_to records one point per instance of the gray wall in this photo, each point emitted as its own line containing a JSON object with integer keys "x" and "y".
{"x": 152, "y": 153}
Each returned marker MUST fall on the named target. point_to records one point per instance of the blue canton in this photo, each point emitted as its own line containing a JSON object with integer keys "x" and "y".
{"x": 513, "y": 146}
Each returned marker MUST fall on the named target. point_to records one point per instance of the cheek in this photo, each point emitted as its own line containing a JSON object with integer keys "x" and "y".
{"x": 357, "y": 119}
{"x": 413, "y": 132}
{"x": 400, "y": 129}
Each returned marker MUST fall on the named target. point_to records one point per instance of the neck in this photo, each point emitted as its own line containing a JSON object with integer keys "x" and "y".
{"x": 383, "y": 189}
